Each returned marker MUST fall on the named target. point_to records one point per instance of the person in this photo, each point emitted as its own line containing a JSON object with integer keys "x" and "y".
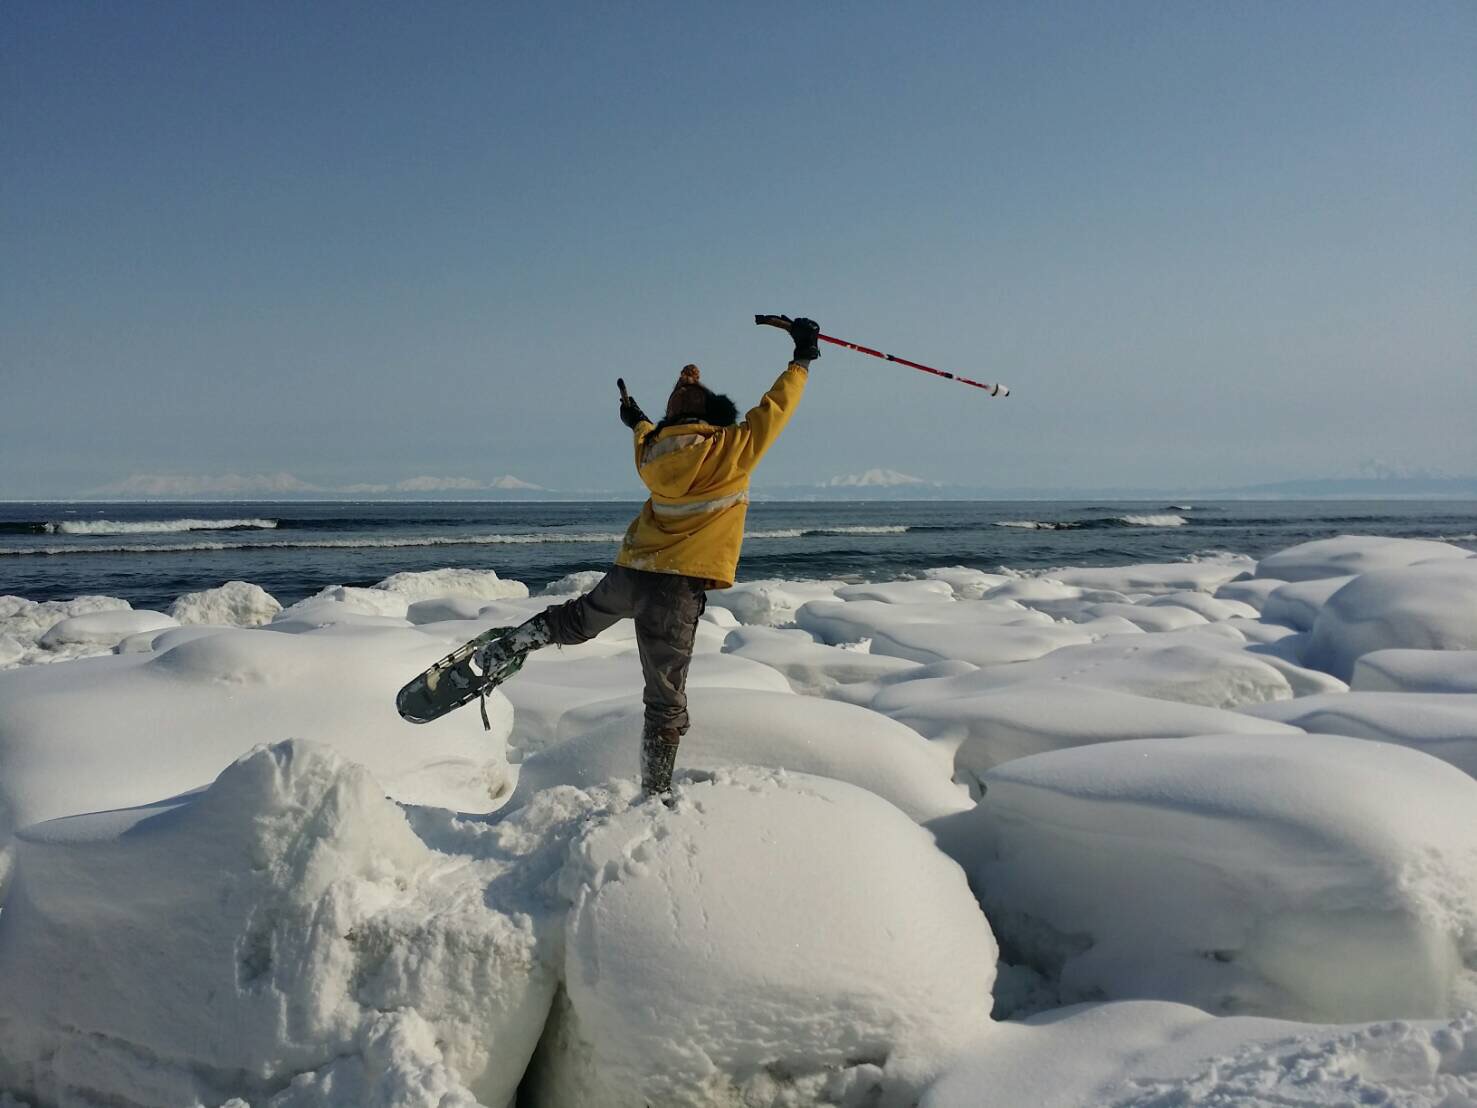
{"x": 696, "y": 463}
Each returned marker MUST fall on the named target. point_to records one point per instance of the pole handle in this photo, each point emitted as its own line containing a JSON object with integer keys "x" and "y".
{"x": 620, "y": 383}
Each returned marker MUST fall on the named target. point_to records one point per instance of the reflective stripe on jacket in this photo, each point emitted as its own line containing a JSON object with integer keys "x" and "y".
{"x": 698, "y": 475}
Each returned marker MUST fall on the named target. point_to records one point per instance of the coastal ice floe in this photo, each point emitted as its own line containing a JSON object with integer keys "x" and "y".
{"x": 1184, "y": 797}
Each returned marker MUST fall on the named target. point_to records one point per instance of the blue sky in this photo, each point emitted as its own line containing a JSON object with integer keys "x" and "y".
{"x": 1205, "y": 244}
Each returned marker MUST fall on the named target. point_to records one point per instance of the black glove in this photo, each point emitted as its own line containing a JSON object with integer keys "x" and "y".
{"x": 805, "y": 332}
{"x": 631, "y": 413}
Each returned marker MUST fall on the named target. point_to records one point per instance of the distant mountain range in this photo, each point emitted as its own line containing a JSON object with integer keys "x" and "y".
{"x": 871, "y": 484}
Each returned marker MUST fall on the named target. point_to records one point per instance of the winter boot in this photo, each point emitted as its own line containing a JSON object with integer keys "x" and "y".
{"x": 658, "y": 756}
{"x": 526, "y": 637}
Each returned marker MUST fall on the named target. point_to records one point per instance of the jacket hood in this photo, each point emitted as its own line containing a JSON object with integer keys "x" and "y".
{"x": 673, "y": 458}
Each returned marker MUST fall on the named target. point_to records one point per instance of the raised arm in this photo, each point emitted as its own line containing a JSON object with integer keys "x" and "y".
{"x": 764, "y": 422}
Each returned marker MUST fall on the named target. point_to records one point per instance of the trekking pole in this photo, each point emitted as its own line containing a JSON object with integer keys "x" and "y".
{"x": 993, "y": 390}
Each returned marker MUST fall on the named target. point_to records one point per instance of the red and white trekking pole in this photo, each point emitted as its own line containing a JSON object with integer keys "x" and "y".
{"x": 993, "y": 390}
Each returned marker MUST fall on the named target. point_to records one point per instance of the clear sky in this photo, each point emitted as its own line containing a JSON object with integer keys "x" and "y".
{"x": 1204, "y": 243}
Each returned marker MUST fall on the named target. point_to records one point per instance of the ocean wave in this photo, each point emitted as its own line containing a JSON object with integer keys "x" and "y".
{"x": 320, "y": 544}
{"x": 151, "y": 526}
{"x": 1157, "y": 519}
{"x": 532, "y": 538}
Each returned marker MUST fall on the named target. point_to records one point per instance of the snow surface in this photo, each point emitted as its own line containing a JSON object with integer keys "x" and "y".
{"x": 749, "y": 727}
{"x": 369, "y": 912}
{"x": 1443, "y": 725}
{"x": 1352, "y": 554}
{"x": 777, "y": 939}
{"x": 1309, "y": 877}
{"x": 1426, "y": 607}
{"x": 1436, "y": 671}
{"x": 1153, "y": 1054}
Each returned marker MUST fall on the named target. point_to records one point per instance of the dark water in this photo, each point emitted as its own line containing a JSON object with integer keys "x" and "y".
{"x": 145, "y": 554}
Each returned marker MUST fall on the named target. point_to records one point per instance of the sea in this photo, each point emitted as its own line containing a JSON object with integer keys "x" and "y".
{"x": 149, "y": 553}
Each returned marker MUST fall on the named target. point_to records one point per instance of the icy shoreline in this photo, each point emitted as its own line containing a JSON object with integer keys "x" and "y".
{"x": 1187, "y": 833}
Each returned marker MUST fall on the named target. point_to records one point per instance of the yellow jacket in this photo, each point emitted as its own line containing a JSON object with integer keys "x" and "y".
{"x": 698, "y": 475}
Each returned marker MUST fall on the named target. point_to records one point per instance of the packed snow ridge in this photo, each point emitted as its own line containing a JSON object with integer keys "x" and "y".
{"x": 1198, "y": 833}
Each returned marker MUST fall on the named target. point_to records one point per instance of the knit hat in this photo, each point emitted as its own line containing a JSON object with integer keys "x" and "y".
{"x": 690, "y": 375}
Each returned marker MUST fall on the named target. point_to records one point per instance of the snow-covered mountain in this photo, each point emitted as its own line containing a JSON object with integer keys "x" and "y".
{"x": 874, "y": 478}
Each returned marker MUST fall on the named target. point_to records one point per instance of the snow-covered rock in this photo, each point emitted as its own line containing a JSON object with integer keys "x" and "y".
{"x": 1443, "y": 725}
{"x": 731, "y": 727}
{"x": 284, "y": 936}
{"x": 1433, "y": 671}
{"x": 1350, "y": 555}
{"x": 1423, "y": 607}
{"x": 235, "y": 604}
{"x": 776, "y": 940}
{"x": 1307, "y": 876}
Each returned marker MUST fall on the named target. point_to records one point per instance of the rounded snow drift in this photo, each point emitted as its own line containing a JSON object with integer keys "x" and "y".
{"x": 775, "y": 939}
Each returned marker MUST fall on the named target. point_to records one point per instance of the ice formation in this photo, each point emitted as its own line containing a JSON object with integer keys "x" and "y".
{"x": 1155, "y": 778}
{"x": 1309, "y": 877}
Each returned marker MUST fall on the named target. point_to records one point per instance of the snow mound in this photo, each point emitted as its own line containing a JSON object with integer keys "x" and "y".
{"x": 236, "y": 604}
{"x": 1299, "y": 603}
{"x": 809, "y": 666}
{"x": 1146, "y": 617}
{"x": 1166, "y": 667}
{"x": 1443, "y": 725}
{"x": 1424, "y": 607}
{"x": 747, "y": 727}
{"x": 554, "y": 682}
{"x": 770, "y": 603}
{"x": 1163, "y": 577}
{"x": 968, "y": 584}
{"x": 1433, "y": 671}
{"x": 23, "y": 622}
{"x": 1304, "y": 876}
{"x": 1017, "y": 721}
{"x": 481, "y": 584}
{"x": 900, "y": 592}
{"x": 343, "y": 604}
{"x": 283, "y": 935}
{"x": 982, "y": 632}
{"x": 1213, "y": 608}
{"x": 574, "y": 584}
{"x": 99, "y": 631}
{"x": 122, "y": 730}
{"x": 775, "y": 940}
{"x": 1350, "y": 555}
{"x": 1152, "y": 1054}
{"x": 1253, "y": 593}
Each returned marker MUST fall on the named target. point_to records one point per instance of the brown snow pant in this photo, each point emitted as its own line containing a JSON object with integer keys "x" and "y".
{"x": 666, "y": 607}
